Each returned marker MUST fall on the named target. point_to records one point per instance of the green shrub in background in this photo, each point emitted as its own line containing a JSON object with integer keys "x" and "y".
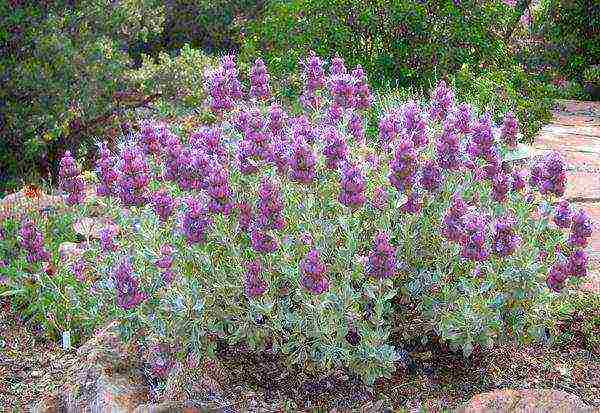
{"x": 62, "y": 65}
{"x": 409, "y": 42}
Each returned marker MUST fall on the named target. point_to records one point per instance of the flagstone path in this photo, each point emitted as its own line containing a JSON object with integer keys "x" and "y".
{"x": 575, "y": 133}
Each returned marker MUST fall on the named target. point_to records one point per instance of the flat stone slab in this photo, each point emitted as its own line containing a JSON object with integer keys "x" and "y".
{"x": 525, "y": 401}
{"x": 583, "y": 186}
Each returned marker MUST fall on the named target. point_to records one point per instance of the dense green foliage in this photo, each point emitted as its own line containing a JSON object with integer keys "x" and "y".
{"x": 408, "y": 42}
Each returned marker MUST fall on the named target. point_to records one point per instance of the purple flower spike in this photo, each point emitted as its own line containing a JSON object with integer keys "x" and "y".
{"x": 352, "y": 187}
{"x": 270, "y": 207}
{"x": 107, "y": 239}
{"x": 382, "y": 260}
{"x": 163, "y": 204}
{"x": 577, "y": 264}
{"x": 448, "y": 151}
{"x": 223, "y": 86}
{"x": 518, "y": 180}
{"x": 453, "y": 226}
{"x": 510, "y": 130}
{"x": 413, "y": 204}
{"x": 404, "y": 166}
{"x": 557, "y": 276}
{"x": 245, "y": 216}
{"x": 312, "y": 273}
{"x": 133, "y": 180}
{"x": 219, "y": 191}
{"x": 314, "y": 78}
{"x": 500, "y": 187}
{"x": 261, "y": 241}
{"x": 389, "y": 128}
{"x": 105, "y": 168}
{"x": 259, "y": 81}
{"x": 364, "y": 99}
{"x": 195, "y": 223}
{"x": 128, "y": 293}
{"x": 431, "y": 177}
{"x": 336, "y": 150}
{"x": 32, "y": 242}
{"x": 474, "y": 247}
{"x": 209, "y": 140}
{"x": 356, "y": 128}
{"x": 505, "y": 240}
{"x": 442, "y": 101}
{"x": 302, "y": 163}
{"x": 380, "y": 198}
{"x": 414, "y": 124}
{"x": 549, "y": 175}
{"x": 78, "y": 268}
{"x": 563, "y": 214}
{"x": 581, "y": 229}
{"x": 165, "y": 263}
{"x": 70, "y": 180}
{"x": 254, "y": 285}
{"x": 463, "y": 118}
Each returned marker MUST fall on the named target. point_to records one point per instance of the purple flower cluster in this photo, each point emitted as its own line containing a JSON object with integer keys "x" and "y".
{"x": 581, "y": 229}
{"x": 133, "y": 179}
{"x": 389, "y": 127}
{"x": 505, "y": 240}
{"x": 500, "y": 187}
{"x": 336, "y": 149}
{"x": 195, "y": 222}
{"x": 210, "y": 141}
{"x": 510, "y": 130}
{"x": 442, "y": 101}
{"x": 352, "y": 187}
{"x": 277, "y": 119}
{"x": 163, "y": 204}
{"x": 334, "y": 115}
{"x": 381, "y": 262}
{"x": 314, "y": 77}
{"x": 219, "y": 191}
{"x": 165, "y": 263}
{"x": 259, "y": 81}
{"x": 32, "y": 242}
{"x": 364, "y": 99}
{"x": 404, "y": 166}
{"x": 262, "y": 241}
{"x": 452, "y": 222}
{"x": 414, "y": 124}
{"x": 549, "y": 175}
{"x": 413, "y": 204}
{"x": 356, "y": 127}
{"x": 107, "y": 239}
{"x": 518, "y": 180}
{"x": 245, "y": 216}
{"x": 474, "y": 244}
{"x": 128, "y": 293}
{"x": 312, "y": 273}
{"x": 270, "y": 207}
{"x": 223, "y": 87}
{"x": 279, "y": 155}
{"x": 462, "y": 118}
{"x": 431, "y": 176}
{"x": 302, "y": 163}
{"x": 380, "y": 198}
{"x": 151, "y": 136}
{"x": 448, "y": 152}
{"x": 254, "y": 285}
{"x": 78, "y": 268}
{"x": 70, "y": 180}
{"x": 574, "y": 266}
{"x": 563, "y": 214}
{"x": 302, "y": 129}
{"x": 105, "y": 168}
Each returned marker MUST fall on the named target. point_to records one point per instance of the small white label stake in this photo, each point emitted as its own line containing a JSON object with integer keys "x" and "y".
{"x": 66, "y": 340}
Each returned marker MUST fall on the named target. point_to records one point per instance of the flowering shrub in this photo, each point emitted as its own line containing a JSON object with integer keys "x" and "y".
{"x": 292, "y": 234}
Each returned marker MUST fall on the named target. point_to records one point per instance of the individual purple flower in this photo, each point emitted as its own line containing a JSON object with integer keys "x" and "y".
{"x": 518, "y": 180}
{"x": 414, "y": 124}
{"x": 413, "y": 204}
{"x": 163, "y": 204}
{"x": 431, "y": 176}
{"x": 270, "y": 207}
{"x": 549, "y": 175}
{"x": 70, "y": 180}
{"x": 474, "y": 247}
{"x": 245, "y": 216}
{"x": 302, "y": 163}
{"x": 150, "y": 137}
{"x": 452, "y": 224}
{"x": 577, "y": 264}
{"x": 314, "y": 78}
{"x": 133, "y": 180}
{"x": 259, "y": 81}
{"x": 254, "y": 284}
{"x": 248, "y": 157}
{"x": 352, "y": 187}
{"x": 505, "y": 240}
{"x": 165, "y": 263}
{"x": 510, "y": 130}
{"x": 196, "y": 222}
{"x": 381, "y": 263}
{"x": 389, "y": 128}
{"x": 442, "y": 101}
{"x": 403, "y": 167}
{"x": 581, "y": 229}
{"x": 563, "y": 214}
{"x": 107, "y": 239}
{"x": 276, "y": 119}
{"x": 380, "y": 199}
{"x": 312, "y": 273}
{"x": 336, "y": 149}
{"x": 482, "y": 138}
{"x": 107, "y": 175}
{"x": 338, "y": 66}
{"x": 500, "y": 187}
{"x": 219, "y": 191}
{"x": 31, "y": 240}
{"x": 356, "y": 128}
{"x": 128, "y": 293}
{"x": 262, "y": 241}
{"x": 279, "y": 155}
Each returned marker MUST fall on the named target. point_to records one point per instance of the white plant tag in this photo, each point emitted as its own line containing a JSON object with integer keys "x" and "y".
{"x": 66, "y": 340}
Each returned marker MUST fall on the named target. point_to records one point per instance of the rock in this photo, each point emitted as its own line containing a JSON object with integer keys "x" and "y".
{"x": 91, "y": 227}
{"x": 26, "y": 200}
{"x": 70, "y": 250}
{"x": 525, "y": 401}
